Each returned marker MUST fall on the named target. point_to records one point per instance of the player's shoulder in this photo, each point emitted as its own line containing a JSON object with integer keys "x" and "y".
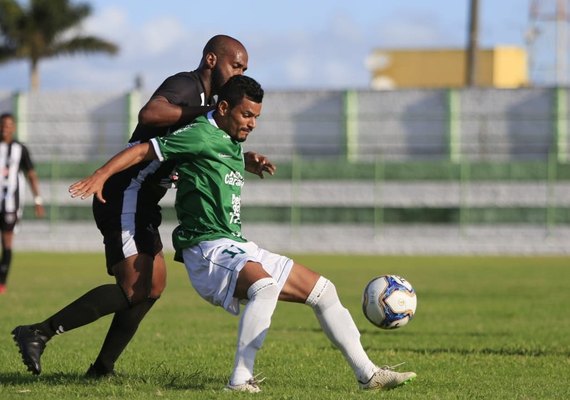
{"x": 183, "y": 88}
{"x": 199, "y": 127}
{"x": 185, "y": 76}
{"x": 17, "y": 143}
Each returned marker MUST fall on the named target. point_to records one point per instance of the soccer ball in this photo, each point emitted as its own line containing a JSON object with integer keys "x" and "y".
{"x": 389, "y": 301}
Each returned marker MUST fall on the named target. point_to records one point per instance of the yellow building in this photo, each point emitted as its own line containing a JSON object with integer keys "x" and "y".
{"x": 500, "y": 67}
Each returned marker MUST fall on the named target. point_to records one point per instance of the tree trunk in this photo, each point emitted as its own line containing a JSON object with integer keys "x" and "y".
{"x": 34, "y": 76}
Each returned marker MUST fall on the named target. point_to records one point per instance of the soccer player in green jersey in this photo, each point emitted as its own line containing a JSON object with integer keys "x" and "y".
{"x": 225, "y": 268}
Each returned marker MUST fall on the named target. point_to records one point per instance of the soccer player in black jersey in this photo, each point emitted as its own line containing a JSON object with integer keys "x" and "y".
{"x": 15, "y": 163}
{"x": 130, "y": 217}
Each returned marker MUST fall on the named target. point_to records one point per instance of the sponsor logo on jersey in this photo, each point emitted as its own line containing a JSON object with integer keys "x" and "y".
{"x": 235, "y": 214}
{"x": 234, "y": 178}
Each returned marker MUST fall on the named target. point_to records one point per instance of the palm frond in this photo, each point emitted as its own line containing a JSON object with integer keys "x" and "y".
{"x": 43, "y": 29}
{"x": 83, "y": 44}
{"x": 8, "y": 54}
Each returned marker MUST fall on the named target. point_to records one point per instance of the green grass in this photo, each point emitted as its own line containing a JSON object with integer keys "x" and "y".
{"x": 485, "y": 328}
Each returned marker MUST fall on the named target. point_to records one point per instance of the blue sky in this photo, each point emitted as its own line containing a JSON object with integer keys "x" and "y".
{"x": 293, "y": 44}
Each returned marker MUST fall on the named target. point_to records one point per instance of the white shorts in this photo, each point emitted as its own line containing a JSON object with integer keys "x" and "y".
{"x": 213, "y": 268}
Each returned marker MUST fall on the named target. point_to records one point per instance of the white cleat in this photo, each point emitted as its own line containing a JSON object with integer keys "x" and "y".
{"x": 250, "y": 386}
{"x": 386, "y": 378}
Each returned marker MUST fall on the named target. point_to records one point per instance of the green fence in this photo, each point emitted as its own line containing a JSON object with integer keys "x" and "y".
{"x": 464, "y": 193}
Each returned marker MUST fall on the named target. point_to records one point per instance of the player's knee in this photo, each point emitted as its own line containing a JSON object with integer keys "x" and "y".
{"x": 136, "y": 295}
{"x": 265, "y": 288}
{"x": 136, "y": 278}
{"x": 157, "y": 289}
{"x": 323, "y": 295}
{"x": 264, "y": 293}
{"x": 139, "y": 293}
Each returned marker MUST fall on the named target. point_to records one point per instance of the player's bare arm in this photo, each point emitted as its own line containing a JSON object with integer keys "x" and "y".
{"x": 34, "y": 182}
{"x": 160, "y": 112}
{"x": 93, "y": 184}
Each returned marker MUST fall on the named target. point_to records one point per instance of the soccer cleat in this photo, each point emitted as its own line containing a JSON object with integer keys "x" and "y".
{"x": 31, "y": 344}
{"x": 386, "y": 378}
{"x": 2, "y": 288}
{"x": 95, "y": 372}
{"x": 250, "y": 386}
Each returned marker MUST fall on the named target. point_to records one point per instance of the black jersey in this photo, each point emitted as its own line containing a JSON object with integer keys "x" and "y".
{"x": 15, "y": 161}
{"x": 182, "y": 89}
{"x": 138, "y": 189}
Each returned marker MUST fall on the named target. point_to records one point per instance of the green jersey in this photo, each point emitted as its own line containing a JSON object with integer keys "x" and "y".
{"x": 210, "y": 165}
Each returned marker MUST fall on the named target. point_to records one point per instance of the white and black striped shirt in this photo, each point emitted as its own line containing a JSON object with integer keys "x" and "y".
{"x": 15, "y": 161}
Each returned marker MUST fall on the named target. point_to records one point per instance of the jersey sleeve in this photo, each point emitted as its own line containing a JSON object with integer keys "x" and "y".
{"x": 183, "y": 144}
{"x": 181, "y": 90}
{"x": 26, "y": 163}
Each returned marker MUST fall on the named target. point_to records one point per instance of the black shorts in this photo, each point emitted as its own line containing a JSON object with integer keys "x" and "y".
{"x": 122, "y": 244}
{"x": 8, "y": 221}
{"x": 129, "y": 220}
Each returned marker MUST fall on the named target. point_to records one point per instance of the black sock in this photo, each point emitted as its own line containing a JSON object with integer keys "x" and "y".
{"x": 4, "y": 273}
{"x": 5, "y": 265}
{"x": 94, "y": 304}
{"x": 121, "y": 331}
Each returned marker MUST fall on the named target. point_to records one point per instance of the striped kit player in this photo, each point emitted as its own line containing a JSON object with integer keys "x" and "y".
{"x": 16, "y": 166}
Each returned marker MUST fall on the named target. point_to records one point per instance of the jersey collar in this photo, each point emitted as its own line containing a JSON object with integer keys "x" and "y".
{"x": 211, "y": 119}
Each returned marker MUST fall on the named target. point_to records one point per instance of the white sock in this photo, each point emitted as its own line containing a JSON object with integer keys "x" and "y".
{"x": 253, "y": 327}
{"x": 338, "y": 325}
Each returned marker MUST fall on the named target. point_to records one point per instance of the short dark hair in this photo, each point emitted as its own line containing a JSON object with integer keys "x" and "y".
{"x": 238, "y": 87}
{"x": 7, "y": 115}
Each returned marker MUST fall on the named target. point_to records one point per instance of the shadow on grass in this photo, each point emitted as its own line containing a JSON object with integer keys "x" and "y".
{"x": 18, "y": 379}
{"x": 474, "y": 351}
{"x": 158, "y": 377}
{"x": 515, "y": 351}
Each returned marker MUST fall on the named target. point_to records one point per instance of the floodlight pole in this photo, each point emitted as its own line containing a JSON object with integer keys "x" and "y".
{"x": 472, "y": 46}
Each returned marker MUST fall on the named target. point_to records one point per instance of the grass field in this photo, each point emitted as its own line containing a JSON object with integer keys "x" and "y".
{"x": 485, "y": 328}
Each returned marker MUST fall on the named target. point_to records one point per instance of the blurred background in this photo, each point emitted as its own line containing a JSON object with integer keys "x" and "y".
{"x": 398, "y": 127}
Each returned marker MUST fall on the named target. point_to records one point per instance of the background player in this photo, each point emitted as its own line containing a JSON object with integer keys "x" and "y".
{"x": 16, "y": 164}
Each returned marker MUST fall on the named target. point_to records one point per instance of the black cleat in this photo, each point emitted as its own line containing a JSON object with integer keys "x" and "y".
{"x": 95, "y": 372}
{"x": 31, "y": 344}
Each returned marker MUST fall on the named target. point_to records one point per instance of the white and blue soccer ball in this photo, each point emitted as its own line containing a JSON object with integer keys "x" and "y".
{"x": 389, "y": 301}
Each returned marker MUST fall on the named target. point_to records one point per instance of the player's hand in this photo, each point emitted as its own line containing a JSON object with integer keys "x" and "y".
{"x": 258, "y": 164}
{"x": 86, "y": 187}
{"x": 40, "y": 211}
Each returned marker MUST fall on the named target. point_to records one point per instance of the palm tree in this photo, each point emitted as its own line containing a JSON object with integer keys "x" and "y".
{"x": 43, "y": 29}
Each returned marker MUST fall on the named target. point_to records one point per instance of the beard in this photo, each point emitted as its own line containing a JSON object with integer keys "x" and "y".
{"x": 217, "y": 81}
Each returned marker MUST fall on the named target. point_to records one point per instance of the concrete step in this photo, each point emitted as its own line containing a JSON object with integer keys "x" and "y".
{"x": 355, "y": 239}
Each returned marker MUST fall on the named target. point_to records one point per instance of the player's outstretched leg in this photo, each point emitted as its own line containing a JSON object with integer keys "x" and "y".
{"x": 31, "y": 339}
{"x": 338, "y": 325}
{"x": 31, "y": 344}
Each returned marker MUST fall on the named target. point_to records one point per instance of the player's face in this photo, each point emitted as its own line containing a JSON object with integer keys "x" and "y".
{"x": 228, "y": 64}
{"x": 238, "y": 122}
{"x": 7, "y": 128}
